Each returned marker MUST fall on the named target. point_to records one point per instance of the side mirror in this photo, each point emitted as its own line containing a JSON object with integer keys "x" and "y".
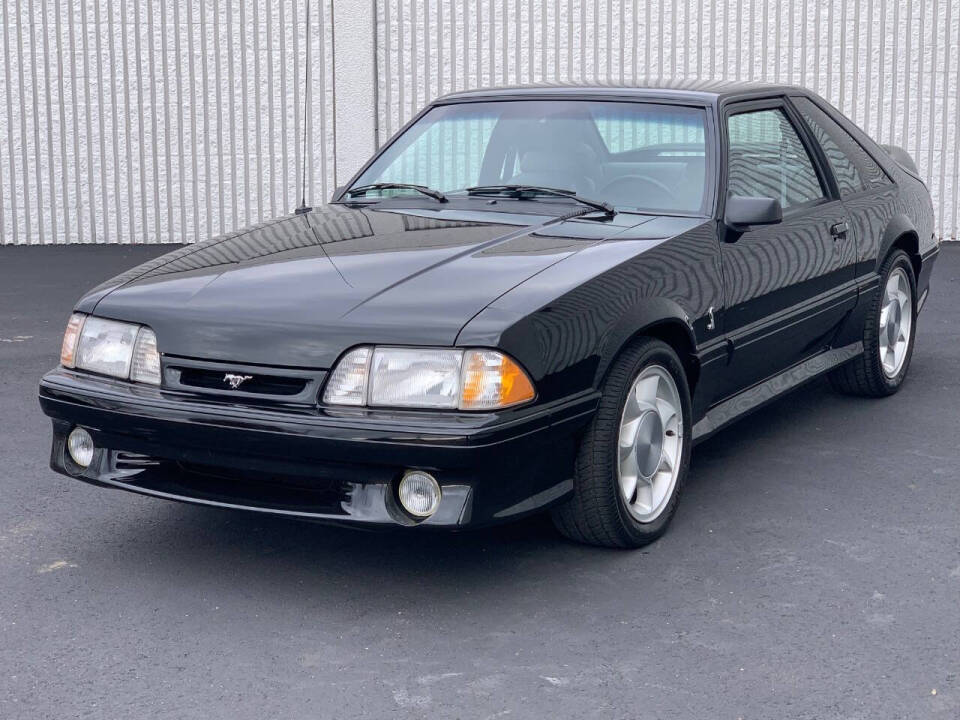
{"x": 337, "y": 192}
{"x": 743, "y": 211}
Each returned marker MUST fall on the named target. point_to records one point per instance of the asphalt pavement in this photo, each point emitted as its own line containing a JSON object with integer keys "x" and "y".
{"x": 812, "y": 571}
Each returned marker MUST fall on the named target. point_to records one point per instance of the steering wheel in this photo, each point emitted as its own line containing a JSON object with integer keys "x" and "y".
{"x": 627, "y": 189}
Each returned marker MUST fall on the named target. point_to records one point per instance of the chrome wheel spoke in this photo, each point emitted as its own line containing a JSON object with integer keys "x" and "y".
{"x": 646, "y": 391}
{"x": 899, "y": 352}
{"x": 668, "y": 413}
{"x": 627, "y": 463}
{"x": 644, "y": 499}
{"x": 628, "y": 434}
{"x": 902, "y": 289}
{"x": 628, "y": 485}
{"x": 660, "y": 486}
{"x": 889, "y": 359}
{"x": 631, "y": 411}
{"x": 666, "y": 463}
{"x": 885, "y": 313}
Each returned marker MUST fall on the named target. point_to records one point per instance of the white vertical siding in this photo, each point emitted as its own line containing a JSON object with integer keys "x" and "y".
{"x": 891, "y": 65}
{"x": 156, "y": 120}
{"x": 174, "y": 120}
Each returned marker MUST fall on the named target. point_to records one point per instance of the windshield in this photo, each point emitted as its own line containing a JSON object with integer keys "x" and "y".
{"x": 633, "y": 155}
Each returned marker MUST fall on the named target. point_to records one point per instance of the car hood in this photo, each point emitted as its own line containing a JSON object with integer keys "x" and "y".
{"x": 298, "y": 291}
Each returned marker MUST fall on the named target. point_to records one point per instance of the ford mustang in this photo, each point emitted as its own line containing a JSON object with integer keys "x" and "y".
{"x": 534, "y": 299}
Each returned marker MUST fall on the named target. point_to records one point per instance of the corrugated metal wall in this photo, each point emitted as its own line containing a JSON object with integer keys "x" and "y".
{"x": 174, "y": 120}
{"x": 157, "y": 120}
{"x": 891, "y": 65}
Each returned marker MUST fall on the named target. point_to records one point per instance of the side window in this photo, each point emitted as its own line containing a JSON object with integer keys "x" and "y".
{"x": 847, "y": 157}
{"x": 767, "y": 159}
{"x": 844, "y": 170}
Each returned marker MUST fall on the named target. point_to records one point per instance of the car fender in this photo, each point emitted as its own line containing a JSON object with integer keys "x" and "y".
{"x": 898, "y": 226}
{"x": 646, "y": 314}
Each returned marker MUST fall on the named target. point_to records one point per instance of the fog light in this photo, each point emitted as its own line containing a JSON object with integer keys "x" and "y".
{"x": 419, "y": 493}
{"x": 80, "y": 447}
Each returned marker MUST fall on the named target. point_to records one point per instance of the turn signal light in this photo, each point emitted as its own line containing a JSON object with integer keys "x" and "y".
{"x": 493, "y": 380}
{"x": 68, "y": 350}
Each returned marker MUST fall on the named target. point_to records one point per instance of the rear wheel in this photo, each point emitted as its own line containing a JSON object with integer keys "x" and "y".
{"x": 888, "y": 334}
{"x": 634, "y": 456}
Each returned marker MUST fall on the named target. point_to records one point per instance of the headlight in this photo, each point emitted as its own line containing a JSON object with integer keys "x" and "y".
{"x": 118, "y": 349}
{"x": 405, "y": 377}
{"x": 106, "y": 347}
{"x": 432, "y": 378}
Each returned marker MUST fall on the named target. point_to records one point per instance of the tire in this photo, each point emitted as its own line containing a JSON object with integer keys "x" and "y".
{"x": 867, "y": 375}
{"x": 599, "y": 513}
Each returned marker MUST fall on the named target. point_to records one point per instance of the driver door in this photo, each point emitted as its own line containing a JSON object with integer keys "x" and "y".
{"x": 789, "y": 285}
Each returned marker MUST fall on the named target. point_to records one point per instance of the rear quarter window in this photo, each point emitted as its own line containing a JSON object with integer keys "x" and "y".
{"x": 852, "y": 165}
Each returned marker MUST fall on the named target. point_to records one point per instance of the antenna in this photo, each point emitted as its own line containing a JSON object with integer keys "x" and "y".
{"x": 302, "y": 208}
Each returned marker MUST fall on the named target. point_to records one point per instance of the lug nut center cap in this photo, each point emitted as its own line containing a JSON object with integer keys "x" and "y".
{"x": 649, "y": 443}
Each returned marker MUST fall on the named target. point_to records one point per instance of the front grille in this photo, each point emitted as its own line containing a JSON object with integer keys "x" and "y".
{"x": 258, "y": 384}
{"x": 250, "y": 383}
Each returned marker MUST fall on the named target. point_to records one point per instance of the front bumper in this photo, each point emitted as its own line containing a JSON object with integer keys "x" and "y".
{"x": 339, "y": 466}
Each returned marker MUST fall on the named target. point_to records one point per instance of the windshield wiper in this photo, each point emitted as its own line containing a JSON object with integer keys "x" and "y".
{"x": 525, "y": 192}
{"x": 422, "y": 189}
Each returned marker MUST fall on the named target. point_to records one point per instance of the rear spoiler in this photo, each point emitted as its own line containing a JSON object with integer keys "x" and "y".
{"x": 902, "y": 158}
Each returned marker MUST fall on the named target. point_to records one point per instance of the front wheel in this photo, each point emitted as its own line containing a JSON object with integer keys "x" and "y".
{"x": 888, "y": 334}
{"x": 633, "y": 458}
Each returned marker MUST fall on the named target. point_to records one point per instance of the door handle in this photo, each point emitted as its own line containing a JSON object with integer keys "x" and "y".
{"x": 839, "y": 230}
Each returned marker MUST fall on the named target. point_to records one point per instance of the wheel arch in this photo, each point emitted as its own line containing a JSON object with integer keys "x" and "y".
{"x": 901, "y": 234}
{"x": 658, "y": 318}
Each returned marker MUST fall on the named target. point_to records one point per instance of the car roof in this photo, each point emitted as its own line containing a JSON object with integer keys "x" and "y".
{"x": 700, "y": 91}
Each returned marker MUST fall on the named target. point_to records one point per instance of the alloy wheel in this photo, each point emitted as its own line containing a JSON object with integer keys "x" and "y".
{"x": 650, "y": 444}
{"x": 896, "y": 321}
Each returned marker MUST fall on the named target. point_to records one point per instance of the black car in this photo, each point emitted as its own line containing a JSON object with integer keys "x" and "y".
{"x": 529, "y": 299}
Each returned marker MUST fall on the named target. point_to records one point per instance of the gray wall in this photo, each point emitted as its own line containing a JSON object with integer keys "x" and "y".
{"x": 172, "y": 120}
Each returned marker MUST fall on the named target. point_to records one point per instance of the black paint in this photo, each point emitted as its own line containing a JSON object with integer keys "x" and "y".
{"x": 559, "y": 288}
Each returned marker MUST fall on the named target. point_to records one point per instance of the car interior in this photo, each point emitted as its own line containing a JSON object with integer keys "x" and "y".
{"x": 569, "y": 152}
